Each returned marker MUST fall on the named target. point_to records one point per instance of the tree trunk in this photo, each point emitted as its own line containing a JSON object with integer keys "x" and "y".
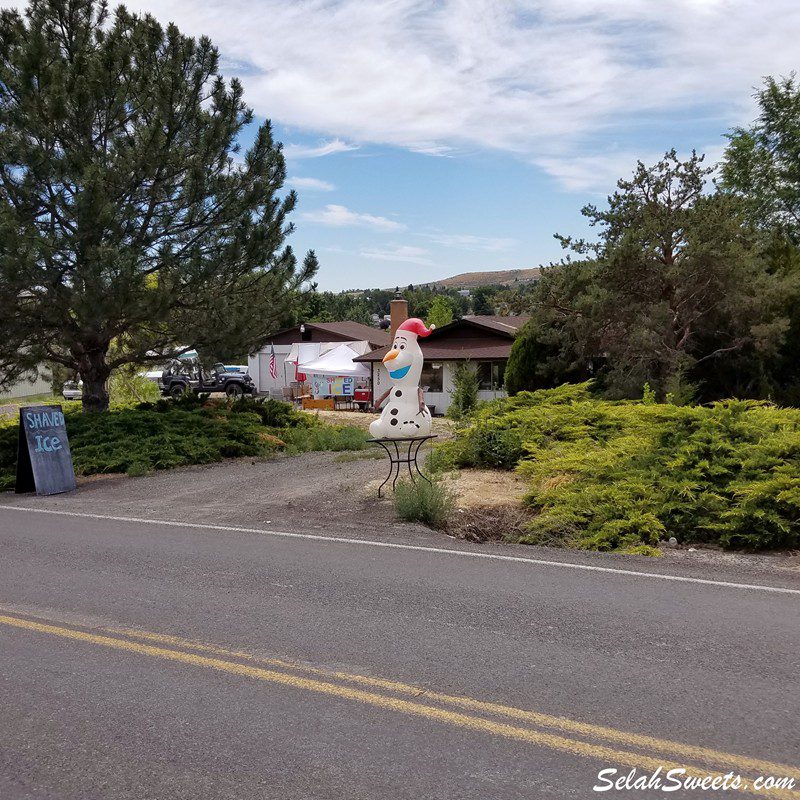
{"x": 94, "y": 373}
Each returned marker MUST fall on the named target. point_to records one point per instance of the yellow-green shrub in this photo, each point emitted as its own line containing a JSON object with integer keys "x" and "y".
{"x": 610, "y": 475}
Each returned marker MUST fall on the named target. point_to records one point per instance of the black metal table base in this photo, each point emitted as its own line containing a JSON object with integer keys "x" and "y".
{"x": 402, "y": 455}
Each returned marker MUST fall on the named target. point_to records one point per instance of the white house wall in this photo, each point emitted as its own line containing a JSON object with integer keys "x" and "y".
{"x": 27, "y": 388}
{"x": 440, "y": 400}
{"x": 258, "y": 367}
{"x": 380, "y": 380}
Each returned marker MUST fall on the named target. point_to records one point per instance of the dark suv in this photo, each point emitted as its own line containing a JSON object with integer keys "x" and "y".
{"x": 185, "y": 376}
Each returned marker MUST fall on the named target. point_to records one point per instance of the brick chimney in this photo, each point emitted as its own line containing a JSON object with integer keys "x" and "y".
{"x": 398, "y": 314}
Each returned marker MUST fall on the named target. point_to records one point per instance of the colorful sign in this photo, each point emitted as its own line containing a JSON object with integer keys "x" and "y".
{"x": 333, "y": 385}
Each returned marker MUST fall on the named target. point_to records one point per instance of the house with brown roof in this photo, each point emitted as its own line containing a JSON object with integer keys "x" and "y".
{"x": 482, "y": 341}
{"x": 285, "y": 343}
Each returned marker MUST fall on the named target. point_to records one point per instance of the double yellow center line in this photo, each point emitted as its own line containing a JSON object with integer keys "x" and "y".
{"x": 555, "y": 733}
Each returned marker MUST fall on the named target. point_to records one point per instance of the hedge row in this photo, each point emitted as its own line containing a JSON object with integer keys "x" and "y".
{"x": 167, "y": 434}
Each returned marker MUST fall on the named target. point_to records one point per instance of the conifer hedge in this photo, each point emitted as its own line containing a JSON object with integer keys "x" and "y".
{"x": 622, "y": 475}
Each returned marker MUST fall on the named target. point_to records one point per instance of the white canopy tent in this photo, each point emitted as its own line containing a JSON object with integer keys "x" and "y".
{"x": 303, "y": 352}
{"x": 338, "y": 361}
{"x": 290, "y": 377}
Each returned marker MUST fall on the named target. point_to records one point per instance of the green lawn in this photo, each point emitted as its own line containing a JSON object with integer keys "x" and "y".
{"x": 29, "y": 401}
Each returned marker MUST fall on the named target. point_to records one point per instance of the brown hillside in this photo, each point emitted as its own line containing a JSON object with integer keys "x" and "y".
{"x": 503, "y": 277}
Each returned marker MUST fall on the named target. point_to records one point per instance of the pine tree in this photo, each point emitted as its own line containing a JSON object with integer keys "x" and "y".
{"x": 130, "y": 225}
{"x": 762, "y": 162}
{"x": 680, "y": 289}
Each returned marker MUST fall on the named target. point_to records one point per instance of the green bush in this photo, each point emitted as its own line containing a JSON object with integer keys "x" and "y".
{"x": 494, "y": 435}
{"x": 8, "y": 453}
{"x": 323, "y": 437}
{"x": 420, "y": 501}
{"x": 274, "y": 413}
{"x": 620, "y": 476}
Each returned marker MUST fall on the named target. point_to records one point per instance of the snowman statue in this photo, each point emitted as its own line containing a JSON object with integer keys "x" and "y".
{"x": 405, "y": 413}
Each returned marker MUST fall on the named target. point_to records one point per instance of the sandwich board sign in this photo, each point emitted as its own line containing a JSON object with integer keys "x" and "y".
{"x": 44, "y": 462}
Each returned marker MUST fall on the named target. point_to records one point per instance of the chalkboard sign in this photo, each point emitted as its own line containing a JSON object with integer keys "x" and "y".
{"x": 44, "y": 462}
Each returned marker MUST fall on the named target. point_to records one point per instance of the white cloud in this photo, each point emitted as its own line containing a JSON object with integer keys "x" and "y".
{"x": 312, "y": 184}
{"x": 295, "y": 152}
{"x": 547, "y": 80}
{"x": 602, "y": 170}
{"x": 466, "y": 241}
{"x": 404, "y": 253}
{"x": 337, "y": 216}
{"x": 599, "y": 173}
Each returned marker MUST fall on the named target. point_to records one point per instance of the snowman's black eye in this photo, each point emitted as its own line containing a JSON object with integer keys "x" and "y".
{"x": 402, "y": 347}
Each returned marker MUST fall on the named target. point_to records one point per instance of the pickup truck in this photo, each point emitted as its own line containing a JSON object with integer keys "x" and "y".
{"x": 189, "y": 376}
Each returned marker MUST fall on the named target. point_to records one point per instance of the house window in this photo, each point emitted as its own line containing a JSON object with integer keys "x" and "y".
{"x": 431, "y": 378}
{"x": 491, "y": 375}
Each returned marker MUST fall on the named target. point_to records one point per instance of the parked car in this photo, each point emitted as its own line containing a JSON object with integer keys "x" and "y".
{"x": 189, "y": 376}
{"x": 72, "y": 390}
{"x": 154, "y": 376}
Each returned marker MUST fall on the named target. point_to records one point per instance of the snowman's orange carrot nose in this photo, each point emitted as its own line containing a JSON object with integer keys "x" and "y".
{"x": 390, "y": 355}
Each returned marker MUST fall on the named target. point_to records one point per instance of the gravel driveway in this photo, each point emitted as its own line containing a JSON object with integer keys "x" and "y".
{"x": 314, "y": 491}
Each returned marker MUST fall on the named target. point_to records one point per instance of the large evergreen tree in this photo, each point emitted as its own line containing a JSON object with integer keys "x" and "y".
{"x": 129, "y": 224}
{"x": 762, "y": 162}
{"x": 762, "y": 167}
{"x": 562, "y": 340}
{"x": 675, "y": 289}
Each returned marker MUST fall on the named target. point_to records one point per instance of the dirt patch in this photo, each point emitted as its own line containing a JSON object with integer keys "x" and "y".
{"x": 755, "y": 563}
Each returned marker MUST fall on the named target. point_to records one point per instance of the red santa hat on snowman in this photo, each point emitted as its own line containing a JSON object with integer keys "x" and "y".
{"x": 416, "y": 326}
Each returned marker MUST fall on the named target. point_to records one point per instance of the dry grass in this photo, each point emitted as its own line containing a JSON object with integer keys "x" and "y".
{"x": 476, "y": 488}
{"x": 488, "y": 505}
{"x": 485, "y": 523}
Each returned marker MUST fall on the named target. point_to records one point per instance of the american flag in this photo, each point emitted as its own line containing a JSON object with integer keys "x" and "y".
{"x": 273, "y": 364}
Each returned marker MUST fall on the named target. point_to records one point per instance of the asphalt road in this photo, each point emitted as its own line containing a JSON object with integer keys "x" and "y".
{"x": 167, "y": 662}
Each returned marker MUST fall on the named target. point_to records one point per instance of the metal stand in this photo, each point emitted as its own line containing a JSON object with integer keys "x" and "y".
{"x": 398, "y": 456}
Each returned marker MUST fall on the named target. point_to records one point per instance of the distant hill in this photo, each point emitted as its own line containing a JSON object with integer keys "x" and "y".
{"x": 502, "y": 277}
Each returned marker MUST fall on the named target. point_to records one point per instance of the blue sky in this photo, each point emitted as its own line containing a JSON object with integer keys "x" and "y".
{"x": 430, "y": 137}
{"x": 438, "y": 216}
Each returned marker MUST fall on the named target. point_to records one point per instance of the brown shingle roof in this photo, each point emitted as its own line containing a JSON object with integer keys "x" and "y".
{"x": 496, "y": 322}
{"x": 354, "y": 331}
{"x": 454, "y": 350}
{"x": 477, "y": 337}
{"x": 346, "y": 331}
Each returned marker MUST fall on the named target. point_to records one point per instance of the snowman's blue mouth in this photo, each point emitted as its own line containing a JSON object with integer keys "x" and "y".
{"x": 400, "y": 373}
